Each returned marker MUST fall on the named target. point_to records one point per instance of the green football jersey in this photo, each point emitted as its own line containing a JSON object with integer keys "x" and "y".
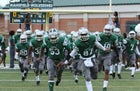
{"x": 22, "y": 48}
{"x": 131, "y": 45}
{"x": 16, "y": 38}
{"x": 107, "y": 42}
{"x": 86, "y": 49}
{"x": 36, "y": 45}
{"x": 119, "y": 41}
{"x": 56, "y": 51}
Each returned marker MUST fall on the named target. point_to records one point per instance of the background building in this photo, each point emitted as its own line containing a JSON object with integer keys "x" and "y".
{"x": 128, "y": 12}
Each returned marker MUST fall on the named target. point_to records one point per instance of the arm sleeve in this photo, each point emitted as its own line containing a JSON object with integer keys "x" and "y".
{"x": 99, "y": 45}
{"x": 72, "y": 54}
{"x": 137, "y": 51}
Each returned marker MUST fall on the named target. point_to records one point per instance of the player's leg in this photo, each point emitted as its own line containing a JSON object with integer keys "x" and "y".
{"x": 41, "y": 65}
{"x": 119, "y": 64}
{"x": 133, "y": 60}
{"x": 59, "y": 71}
{"x": 107, "y": 62}
{"x": 36, "y": 65}
{"x": 87, "y": 75}
{"x": 51, "y": 73}
{"x": 75, "y": 70}
{"x": 26, "y": 67}
{"x": 21, "y": 61}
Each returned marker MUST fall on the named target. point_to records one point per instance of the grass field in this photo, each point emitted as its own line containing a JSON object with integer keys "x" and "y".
{"x": 10, "y": 80}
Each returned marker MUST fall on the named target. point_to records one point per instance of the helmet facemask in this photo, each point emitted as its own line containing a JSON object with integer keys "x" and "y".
{"x": 132, "y": 35}
{"x": 108, "y": 32}
{"x": 84, "y": 37}
{"x": 53, "y": 35}
{"x": 23, "y": 38}
{"x": 83, "y": 34}
{"x": 39, "y": 36}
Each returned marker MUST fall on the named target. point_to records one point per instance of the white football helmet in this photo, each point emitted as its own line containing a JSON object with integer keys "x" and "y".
{"x": 53, "y": 35}
{"x": 28, "y": 33}
{"x": 23, "y": 38}
{"x": 137, "y": 29}
{"x": 107, "y": 29}
{"x": 117, "y": 31}
{"x": 39, "y": 36}
{"x": 19, "y": 31}
{"x": 131, "y": 35}
{"x": 74, "y": 36}
{"x": 83, "y": 33}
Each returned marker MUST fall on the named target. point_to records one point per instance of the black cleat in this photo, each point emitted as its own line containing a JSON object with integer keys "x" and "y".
{"x": 23, "y": 78}
{"x": 41, "y": 71}
{"x": 132, "y": 76}
{"x": 37, "y": 83}
{"x": 76, "y": 81}
{"x": 119, "y": 76}
{"x": 113, "y": 75}
{"x": 57, "y": 82}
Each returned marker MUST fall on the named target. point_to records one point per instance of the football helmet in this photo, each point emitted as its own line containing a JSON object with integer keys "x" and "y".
{"x": 83, "y": 33}
{"x": 137, "y": 29}
{"x": 53, "y": 35}
{"x": 28, "y": 33}
{"x": 39, "y": 36}
{"x": 107, "y": 29}
{"x": 19, "y": 31}
{"x": 23, "y": 38}
{"x": 74, "y": 36}
{"x": 131, "y": 35}
{"x": 117, "y": 31}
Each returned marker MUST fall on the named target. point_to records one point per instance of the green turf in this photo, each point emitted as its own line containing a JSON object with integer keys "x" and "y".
{"x": 10, "y": 80}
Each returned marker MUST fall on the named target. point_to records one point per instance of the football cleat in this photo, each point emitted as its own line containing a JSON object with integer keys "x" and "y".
{"x": 132, "y": 76}
{"x": 37, "y": 83}
{"x": 76, "y": 81}
{"x": 113, "y": 75}
{"x": 41, "y": 71}
{"x": 23, "y": 78}
{"x": 57, "y": 82}
{"x": 119, "y": 76}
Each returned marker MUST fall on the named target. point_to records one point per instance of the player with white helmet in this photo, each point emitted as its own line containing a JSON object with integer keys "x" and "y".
{"x": 17, "y": 39}
{"x": 22, "y": 48}
{"x": 35, "y": 45}
{"x": 85, "y": 45}
{"x": 117, "y": 54}
{"x": 131, "y": 44}
{"x": 137, "y": 30}
{"x": 55, "y": 46}
{"x": 108, "y": 40}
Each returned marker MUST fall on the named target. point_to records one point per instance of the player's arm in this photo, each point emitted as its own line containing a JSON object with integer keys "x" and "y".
{"x": 41, "y": 52}
{"x": 29, "y": 51}
{"x": 99, "y": 45}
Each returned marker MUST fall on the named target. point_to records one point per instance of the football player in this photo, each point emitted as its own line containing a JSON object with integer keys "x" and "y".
{"x": 75, "y": 61}
{"x": 137, "y": 30}
{"x": 131, "y": 47}
{"x": 85, "y": 47}
{"x": 17, "y": 39}
{"x": 22, "y": 49}
{"x": 108, "y": 40}
{"x": 117, "y": 54}
{"x": 35, "y": 45}
{"x": 3, "y": 50}
{"x": 55, "y": 46}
